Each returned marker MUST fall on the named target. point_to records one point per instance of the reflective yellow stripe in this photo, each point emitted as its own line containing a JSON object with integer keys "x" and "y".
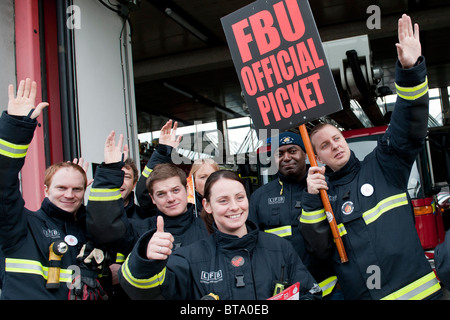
{"x": 282, "y": 186}
{"x": 383, "y": 206}
{"x": 313, "y": 217}
{"x": 418, "y": 290}
{"x": 146, "y": 172}
{"x": 12, "y": 150}
{"x": 34, "y": 267}
{"x": 120, "y": 258}
{"x": 328, "y": 285}
{"x": 284, "y": 231}
{"x": 152, "y": 282}
{"x": 412, "y": 93}
{"x": 342, "y": 230}
{"x": 99, "y": 194}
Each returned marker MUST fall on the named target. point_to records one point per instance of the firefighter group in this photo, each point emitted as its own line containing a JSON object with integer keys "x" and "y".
{"x": 149, "y": 236}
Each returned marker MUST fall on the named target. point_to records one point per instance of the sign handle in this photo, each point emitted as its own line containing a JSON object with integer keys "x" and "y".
{"x": 324, "y": 196}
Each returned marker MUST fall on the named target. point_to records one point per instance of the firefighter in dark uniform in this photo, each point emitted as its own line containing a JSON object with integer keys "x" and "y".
{"x": 27, "y": 238}
{"x": 276, "y": 206}
{"x": 162, "y": 154}
{"x": 107, "y": 218}
{"x": 200, "y": 169}
{"x": 236, "y": 262}
{"x": 370, "y": 199}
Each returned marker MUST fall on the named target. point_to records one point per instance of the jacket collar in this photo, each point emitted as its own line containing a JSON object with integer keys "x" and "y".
{"x": 227, "y": 242}
{"x": 179, "y": 224}
{"x": 56, "y": 213}
{"x": 291, "y": 179}
{"x": 347, "y": 173}
{"x": 131, "y": 209}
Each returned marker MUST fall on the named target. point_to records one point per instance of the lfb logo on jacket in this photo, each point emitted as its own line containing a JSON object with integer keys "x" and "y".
{"x": 276, "y": 200}
{"x": 51, "y": 233}
{"x": 211, "y": 276}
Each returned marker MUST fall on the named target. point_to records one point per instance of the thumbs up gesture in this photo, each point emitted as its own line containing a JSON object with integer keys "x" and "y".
{"x": 160, "y": 245}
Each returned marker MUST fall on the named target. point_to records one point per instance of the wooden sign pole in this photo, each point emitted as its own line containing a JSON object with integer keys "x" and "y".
{"x": 324, "y": 196}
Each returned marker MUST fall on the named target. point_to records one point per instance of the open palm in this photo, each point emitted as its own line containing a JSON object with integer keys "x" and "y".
{"x": 23, "y": 103}
{"x": 408, "y": 48}
{"x": 112, "y": 152}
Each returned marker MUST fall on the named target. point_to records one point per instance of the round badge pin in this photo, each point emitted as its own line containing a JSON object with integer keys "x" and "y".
{"x": 367, "y": 190}
{"x": 237, "y": 261}
{"x": 347, "y": 208}
{"x": 71, "y": 240}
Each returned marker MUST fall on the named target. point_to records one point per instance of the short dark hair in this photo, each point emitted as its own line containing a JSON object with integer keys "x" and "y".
{"x": 131, "y": 164}
{"x": 164, "y": 171}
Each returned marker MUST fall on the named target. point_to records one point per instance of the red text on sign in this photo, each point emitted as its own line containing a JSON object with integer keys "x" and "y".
{"x": 264, "y": 32}
{"x": 294, "y": 98}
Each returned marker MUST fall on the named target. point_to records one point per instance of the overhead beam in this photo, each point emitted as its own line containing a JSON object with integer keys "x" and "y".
{"x": 182, "y": 64}
{"x": 428, "y": 19}
{"x": 219, "y": 56}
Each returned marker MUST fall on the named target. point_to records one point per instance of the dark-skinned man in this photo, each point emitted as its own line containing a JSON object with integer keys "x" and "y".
{"x": 276, "y": 206}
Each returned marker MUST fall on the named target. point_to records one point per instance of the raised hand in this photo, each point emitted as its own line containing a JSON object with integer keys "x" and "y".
{"x": 169, "y": 135}
{"x": 23, "y": 103}
{"x": 112, "y": 152}
{"x": 161, "y": 244}
{"x": 408, "y": 48}
{"x": 85, "y": 166}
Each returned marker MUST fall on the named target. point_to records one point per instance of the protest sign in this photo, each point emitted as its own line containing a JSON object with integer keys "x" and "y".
{"x": 283, "y": 71}
{"x": 281, "y": 64}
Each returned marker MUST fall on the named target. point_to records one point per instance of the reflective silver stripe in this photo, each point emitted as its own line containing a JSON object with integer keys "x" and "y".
{"x": 417, "y": 290}
{"x": 313, "y": 217}
{"x": 120, "y": 258}
{"x": 412, "y": 93}
{"x": 12, "y": 150}
{"x": 328, "y": 285}
{"x": 100, "y": 194}
{"x": 34, "y": 267}
{"x": 342, "y": 230}
{"x": 383, "y": 206}
{"x": 149, "y": 283}
{"x": 284, "y": 231}
{"x": 146, "y": 172}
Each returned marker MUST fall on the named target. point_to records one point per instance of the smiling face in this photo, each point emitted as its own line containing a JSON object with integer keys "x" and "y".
{"x": 228, "y": 203}
{"x": 66, "y": 189}
{"x": 331, "y": 147}
{"x": 170, "y": 196}
{"x": 291, "y": 160}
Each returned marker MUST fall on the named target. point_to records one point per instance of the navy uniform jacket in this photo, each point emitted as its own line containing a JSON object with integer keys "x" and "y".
{"x": 25, "y": 236}
{"x": 108, "y": 222}
{"x": 442, "y": 260}
{"x": 276, "y": 208}
{"x": 373, "y": 210}
{"x": 228, "y": 266}
{"x": 162, "y": 154}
